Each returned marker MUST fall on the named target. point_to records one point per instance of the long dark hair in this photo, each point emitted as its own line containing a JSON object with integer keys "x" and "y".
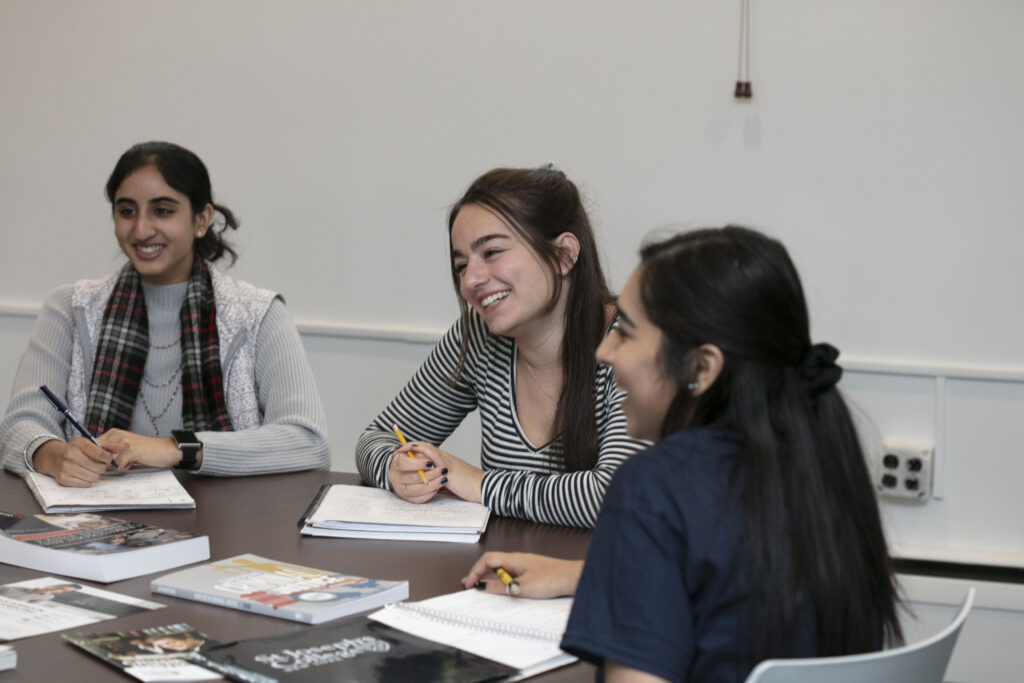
{"x": 810, "y": 509}
{"x": 539, "y": 205}
{"x": 186, "y": 173}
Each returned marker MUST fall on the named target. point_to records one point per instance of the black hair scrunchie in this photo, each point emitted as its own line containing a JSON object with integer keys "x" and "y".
{"x": 819, "y": 371}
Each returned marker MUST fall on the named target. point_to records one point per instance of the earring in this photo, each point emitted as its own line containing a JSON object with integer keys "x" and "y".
{"x": 693, "y": 387}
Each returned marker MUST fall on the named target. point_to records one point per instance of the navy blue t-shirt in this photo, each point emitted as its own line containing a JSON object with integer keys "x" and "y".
{"x": 665, "y": 586}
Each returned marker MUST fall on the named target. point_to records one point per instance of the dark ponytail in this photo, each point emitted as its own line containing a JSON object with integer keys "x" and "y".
{"x": 811, "y": 514}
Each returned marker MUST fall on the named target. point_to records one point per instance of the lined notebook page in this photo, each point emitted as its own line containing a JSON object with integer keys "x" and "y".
{"x": 366, "y": 505}
{"x": 518, "y": 632}
{"x": 134, "y": 489}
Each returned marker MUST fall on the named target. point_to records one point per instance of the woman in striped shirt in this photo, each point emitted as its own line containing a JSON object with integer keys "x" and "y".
{"x": 524, "y": 264}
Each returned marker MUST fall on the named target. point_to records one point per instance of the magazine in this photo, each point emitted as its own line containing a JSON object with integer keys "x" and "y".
{"x": 28, "y": 608}
{"x": 354, "y": 650}
{"x": 159, "y": 653}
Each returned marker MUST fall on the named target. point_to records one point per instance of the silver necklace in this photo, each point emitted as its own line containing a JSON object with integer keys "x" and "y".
{"x": 166, "y": 346}
{"x": 168, "y": 382}
{"x": 153, "y": 418}
{"x": 145, "y": 404}
{"x": 537, "y": 382}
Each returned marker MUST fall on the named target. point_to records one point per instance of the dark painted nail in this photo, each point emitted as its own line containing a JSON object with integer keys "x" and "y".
{"x": 480, "y": 585}
{"x": 430, "y": 464}
{"x": 444, "y": 471}
{"x": 444, "y": 480}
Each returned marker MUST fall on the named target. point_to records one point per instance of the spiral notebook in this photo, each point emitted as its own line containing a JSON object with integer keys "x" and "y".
{"x": 517, "y": 632}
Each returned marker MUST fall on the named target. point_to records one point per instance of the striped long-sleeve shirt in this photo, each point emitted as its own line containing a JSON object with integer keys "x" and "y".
{"x": 520, "y": 479}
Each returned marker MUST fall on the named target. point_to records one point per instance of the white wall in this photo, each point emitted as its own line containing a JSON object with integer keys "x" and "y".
{"x": 883, "y": 145}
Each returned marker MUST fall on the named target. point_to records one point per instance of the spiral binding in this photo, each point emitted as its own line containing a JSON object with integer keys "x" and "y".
{"x": 483, "y": 624}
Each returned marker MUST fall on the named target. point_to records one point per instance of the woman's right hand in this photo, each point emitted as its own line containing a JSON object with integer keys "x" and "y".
{"x": 538, "y": 576}
{"x": 78, "y": 463}
{"x": 404, "y": 476}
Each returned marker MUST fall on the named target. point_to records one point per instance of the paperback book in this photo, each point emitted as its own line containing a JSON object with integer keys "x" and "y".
{"x": 278, "y": 589}
{"x": 346, "y": 511}
{"x": 355, "y": 651}
{"x": 160, "y": 653}
{"x": 88, "y": 546}
{"x": 134, "y": 490}
{"x": 28, "y": 608}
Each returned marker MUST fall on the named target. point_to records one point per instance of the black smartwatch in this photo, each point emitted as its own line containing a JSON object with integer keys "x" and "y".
{"x": 189, "y": 445}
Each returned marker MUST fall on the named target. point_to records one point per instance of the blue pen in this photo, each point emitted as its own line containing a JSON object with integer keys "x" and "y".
{"x": 59, "y": 405}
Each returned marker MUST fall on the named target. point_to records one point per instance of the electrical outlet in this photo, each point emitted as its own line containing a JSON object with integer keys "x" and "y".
{"x": 904, "y": 472}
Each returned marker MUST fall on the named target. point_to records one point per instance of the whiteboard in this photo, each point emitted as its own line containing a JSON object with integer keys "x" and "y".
{"x": 883, "y": 144}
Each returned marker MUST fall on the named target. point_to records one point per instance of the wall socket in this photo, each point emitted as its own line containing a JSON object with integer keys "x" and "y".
{"x": 904, "y": 472}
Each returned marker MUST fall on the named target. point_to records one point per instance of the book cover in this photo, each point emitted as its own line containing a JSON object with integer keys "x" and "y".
{"x": 355, "y": 651}
{"x": 278, "y": 589}
{"x": 28, "y": 608}
{"x": 159, "y": 653}
{"x": 366, "y": 512}
{"x": 135, "y": 490}
{"x": 88, "y": 546}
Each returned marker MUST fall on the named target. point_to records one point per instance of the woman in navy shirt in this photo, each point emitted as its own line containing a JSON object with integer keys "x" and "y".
{"x": 750, "y": 529}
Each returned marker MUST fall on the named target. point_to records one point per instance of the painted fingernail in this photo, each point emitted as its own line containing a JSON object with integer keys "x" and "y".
{"x": 480, "y": 585}
{"x": 444, "y": 471}
{"x": 444, "y": 480}
{"x": 430, "y": 464}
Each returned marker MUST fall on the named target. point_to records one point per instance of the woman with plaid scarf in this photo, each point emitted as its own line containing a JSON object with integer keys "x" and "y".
{"x": 167, "y": 343}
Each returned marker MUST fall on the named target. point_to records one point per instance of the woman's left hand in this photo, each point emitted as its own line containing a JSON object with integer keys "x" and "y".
{"x": 154, "y": 451}
{"x": 464, "y": 480}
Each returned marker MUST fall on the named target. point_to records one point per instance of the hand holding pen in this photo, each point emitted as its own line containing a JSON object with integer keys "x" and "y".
{"x": 74, "y": 463}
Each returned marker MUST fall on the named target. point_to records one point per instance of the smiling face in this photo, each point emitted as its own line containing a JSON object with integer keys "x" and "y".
{"x": 500, "y": 276}
{"x": 156, "y": 228}
{"x": 634, "y": 350}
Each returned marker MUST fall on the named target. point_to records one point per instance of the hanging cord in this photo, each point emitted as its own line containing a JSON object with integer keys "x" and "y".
{"x": 743, "y": 89}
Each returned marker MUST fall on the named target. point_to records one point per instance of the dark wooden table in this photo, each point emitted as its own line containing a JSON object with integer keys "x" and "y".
{"x": 258, "y": 515}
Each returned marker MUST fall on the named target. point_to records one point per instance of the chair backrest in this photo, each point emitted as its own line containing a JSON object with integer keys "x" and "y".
{"x": 921, "y": 662}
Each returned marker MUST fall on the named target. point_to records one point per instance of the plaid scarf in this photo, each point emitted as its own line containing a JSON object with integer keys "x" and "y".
{"x": 124, "y": 342}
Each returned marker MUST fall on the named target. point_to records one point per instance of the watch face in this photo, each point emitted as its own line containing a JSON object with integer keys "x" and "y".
{"x": 185, "y": 438}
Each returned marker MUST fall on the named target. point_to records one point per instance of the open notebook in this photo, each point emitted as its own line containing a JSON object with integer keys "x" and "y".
{"x": 517, "y": 632}
{"x": 364, "y": 512}
{"x": 134, "y": 490}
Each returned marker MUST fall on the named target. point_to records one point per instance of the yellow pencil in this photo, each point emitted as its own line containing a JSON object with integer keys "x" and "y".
{"x": 511, "y": 585}
{"x": 401, "y": 439}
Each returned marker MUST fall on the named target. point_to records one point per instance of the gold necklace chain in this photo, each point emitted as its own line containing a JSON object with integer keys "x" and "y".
{"x": 537, "y": 382}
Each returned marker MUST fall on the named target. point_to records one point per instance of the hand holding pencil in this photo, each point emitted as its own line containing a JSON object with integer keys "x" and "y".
{"x": 418, "y": 458}
{"x": 524, "y": 575}
{"x": 401, "y": 440}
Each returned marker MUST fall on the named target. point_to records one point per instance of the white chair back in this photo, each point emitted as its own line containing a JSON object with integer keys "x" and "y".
{"x": 921, "y": 662}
